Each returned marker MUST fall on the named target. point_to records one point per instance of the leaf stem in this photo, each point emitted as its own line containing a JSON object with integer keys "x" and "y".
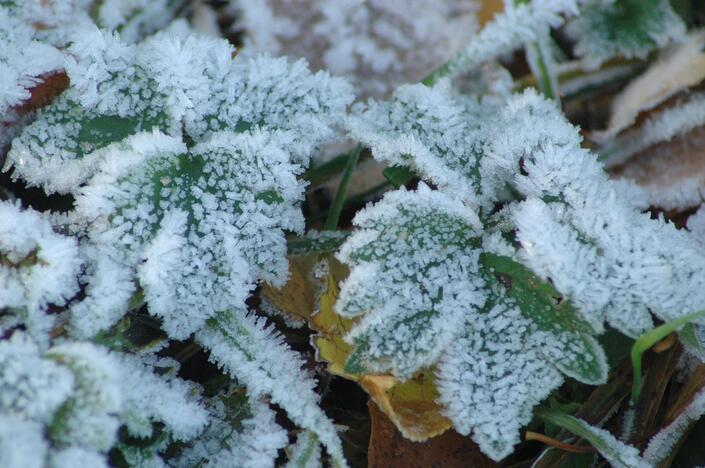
{"x": 337, "y": 206}
{"x": 530, "y": 435}
{"x": 650, "y": 338}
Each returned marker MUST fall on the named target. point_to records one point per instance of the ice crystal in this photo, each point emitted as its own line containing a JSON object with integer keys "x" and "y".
{"x": 254, "y": 354}
{"x": 38, "y": 267}
{"x": 662, "y": 443}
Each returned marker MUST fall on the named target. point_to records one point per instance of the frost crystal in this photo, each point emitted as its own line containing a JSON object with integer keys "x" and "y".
{"x": 661, "y": 445}
{"x": 38, "y": 267}
{"x": 257, "y": 357}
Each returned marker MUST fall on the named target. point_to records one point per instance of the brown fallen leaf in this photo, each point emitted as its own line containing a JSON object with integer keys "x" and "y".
{"x": 389, "y": 448}
{"x": 677, "y": 68}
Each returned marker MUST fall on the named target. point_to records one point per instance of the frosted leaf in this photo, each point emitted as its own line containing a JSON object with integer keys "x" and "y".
{"x": 661, "y": 127}
{"x": 305, "y": 453}
{"x": 430, "y": 296}
{"x": 612, "y": 262}
{"x": 175, "y": 217}
{"x": 492, "y": 376}
{"x": 38, "y": 267}
{"x": 90, "y": 416}
{"x": 149, "y": 398}
{"x": 134, "y": 19}
{"x": 624, "y": 28}
{"x": 256, "y": 356}
{"x": 169, "y": 83}
{"x": 414, "y": 273}
{"x": 110, "y": 285}
{"x": 667, "y": 439}
{"x": 22, "y": 59}
{"x": 429, "y": 129}
{"x": 271, "y": 93}
{"x": 257, "y": 445}
{"x": 377, "y": 44}
{"x": 520, "y": 23}
{"x": 31, "y": 387}
{"x": 77, "y": 457}
{"x": 22, "y": 443}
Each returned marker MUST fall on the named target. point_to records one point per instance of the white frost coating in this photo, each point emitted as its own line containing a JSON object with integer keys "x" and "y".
{"x": 630, "y": 261}
{"x": 22, "y": 60}
{"x": 661, "y": 445}
{"x": 38, "y": 267}
{"x": 428, "y": 129}
{"x": 256, "y": 356}
{"x": 305, "y": 453}
{"x": 274, "y": 94}
{"x": 175, "y": 218}
{"x": 31, "y": 387}
{"x": 377, "y": 44}
{"x": 492, "y": 376}
{"x": 148, "y": 397}
{"x": 171, "y": 83}
{"x": 22, "y": 443}
{"x": 77, "y": 457}
{"x": 91, "y": 419}
{"x": 514, "y": 27}
{"x": 414, "y": 274}
{"x": 257, "y": 445}
{"x": 662, "y": 127}
{"x": 110, "y": 286}
{"x": 643, "y": 26}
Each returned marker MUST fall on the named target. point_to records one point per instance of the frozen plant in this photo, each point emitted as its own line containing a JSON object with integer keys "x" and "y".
{"x": 443, "y": 280}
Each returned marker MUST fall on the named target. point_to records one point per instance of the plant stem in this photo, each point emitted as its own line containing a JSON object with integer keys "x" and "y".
{"x": 337, "y": 206}
{"x": 650, "y": 338}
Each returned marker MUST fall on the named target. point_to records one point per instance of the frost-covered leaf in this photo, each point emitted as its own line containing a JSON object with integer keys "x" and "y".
{"x": 256, "y": 356}
{"x": 38, "y": 267}
{"x": 625, "y": 28}
{"x": 671, "y": 434}
{"x": 428, "y": 294}
{"x": 134, "y": 19}
{"x": 428, "y": 129}
{"x": 414, "y": 266}
{"x": 305, "y": 453}
{"x": 173, "y": 85}
{"x": 617, "y": 453}
{"x": 198, "y": 226}
{"x": 519, "y": 24}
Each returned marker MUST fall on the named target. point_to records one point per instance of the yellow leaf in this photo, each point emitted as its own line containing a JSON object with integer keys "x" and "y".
{"x": 297, "y": 298}
{"x": 409, "y": 405}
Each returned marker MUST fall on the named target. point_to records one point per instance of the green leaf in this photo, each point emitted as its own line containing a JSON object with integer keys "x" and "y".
{"x": 614, "y": 451}
{"x": 399, "y": 175}
{"x": 536, "y": 298}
